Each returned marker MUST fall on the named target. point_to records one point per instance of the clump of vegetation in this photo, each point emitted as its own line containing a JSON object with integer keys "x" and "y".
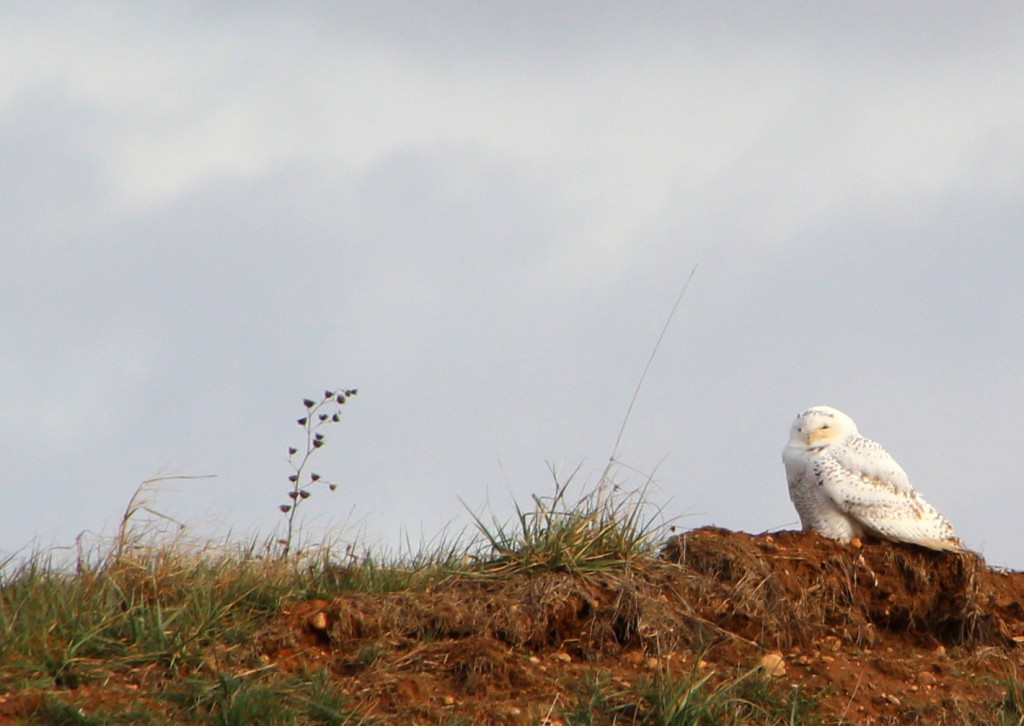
{"x": 318, "y": 415}
{"x": 1011, "y": 710}
{"x": 170, "y": 630}
{"x": 749, "y": 697}
{"x": 690, "y": 699}
{"x": 597, "y": 531}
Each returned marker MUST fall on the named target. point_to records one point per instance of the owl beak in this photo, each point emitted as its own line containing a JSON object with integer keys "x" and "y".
{"x": 817, "y": 435}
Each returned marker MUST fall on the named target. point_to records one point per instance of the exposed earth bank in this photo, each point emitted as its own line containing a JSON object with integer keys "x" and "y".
{"x": 882, "y": 633}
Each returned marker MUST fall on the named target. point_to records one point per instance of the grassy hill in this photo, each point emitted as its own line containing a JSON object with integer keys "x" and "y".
{"x": 581, "y": 614}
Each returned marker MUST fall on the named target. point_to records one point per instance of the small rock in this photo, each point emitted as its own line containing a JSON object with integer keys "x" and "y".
{"x": 449, "y": 700}
{"x": 318, "y": 621}
{"x": 831, "y": 643}
{"x": 774, "y": 665}
{"x": 651, "y": 664}
{"x": 924, "y": 678}
{"x": 563, "y": 656}
{"x": 634, "y": 657}
{"x": 534, "y": 659}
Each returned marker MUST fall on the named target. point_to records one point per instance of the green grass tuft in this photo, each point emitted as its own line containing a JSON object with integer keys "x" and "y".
{"x": 699, "y": 699}
{"x": 601, "y": 530}
{"x": 1011, "y": 711}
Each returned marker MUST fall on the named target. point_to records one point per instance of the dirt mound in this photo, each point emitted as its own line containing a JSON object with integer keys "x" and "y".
{"x": 882, "y": 633}
{"x": 793, "y": 587}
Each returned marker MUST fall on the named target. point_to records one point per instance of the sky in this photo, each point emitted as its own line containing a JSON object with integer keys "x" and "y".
{"x": 480, "y": 216}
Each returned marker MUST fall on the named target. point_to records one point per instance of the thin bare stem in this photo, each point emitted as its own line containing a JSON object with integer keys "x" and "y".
{"x": 639, "y": 384}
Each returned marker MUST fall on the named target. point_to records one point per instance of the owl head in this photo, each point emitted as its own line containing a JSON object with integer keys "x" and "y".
{"x": 821, "y": 425}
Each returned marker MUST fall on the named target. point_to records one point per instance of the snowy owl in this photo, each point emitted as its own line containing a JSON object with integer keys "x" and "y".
{"x": 844, "y": 485}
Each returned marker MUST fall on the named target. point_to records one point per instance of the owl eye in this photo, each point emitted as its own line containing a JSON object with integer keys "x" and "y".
{"x": 824, "y": 426}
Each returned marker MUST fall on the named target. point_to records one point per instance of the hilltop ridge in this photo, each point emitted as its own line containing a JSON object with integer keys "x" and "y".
{"x": 710, "y": 626}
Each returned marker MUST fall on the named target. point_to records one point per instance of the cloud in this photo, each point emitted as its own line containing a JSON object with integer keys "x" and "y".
{"x": 480, "y": 218}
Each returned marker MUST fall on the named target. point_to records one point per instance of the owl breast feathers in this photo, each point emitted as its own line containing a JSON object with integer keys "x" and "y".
{"x": 844, "y": 486}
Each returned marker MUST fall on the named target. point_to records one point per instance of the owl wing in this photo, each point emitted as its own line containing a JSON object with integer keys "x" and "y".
{"x": 867, "y": 460}
{"x": 867, "y": 484}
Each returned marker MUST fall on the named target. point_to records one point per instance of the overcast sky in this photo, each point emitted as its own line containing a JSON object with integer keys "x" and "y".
{"x": 480, "y": 215}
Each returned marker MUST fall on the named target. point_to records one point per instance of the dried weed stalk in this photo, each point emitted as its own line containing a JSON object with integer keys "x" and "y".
{"x": 319, "y": 414}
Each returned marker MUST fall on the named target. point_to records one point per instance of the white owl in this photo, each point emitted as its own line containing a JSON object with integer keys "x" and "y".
{"x": 846, "y": 486}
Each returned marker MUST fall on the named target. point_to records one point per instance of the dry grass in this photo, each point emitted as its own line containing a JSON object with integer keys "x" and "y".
{"x": 595, "y": 532}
